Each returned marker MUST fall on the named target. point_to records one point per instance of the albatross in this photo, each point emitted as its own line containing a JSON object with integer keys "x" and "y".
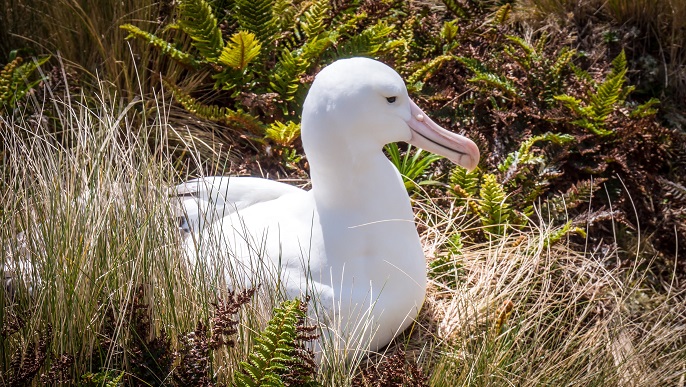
{"x": 350, "y": 242}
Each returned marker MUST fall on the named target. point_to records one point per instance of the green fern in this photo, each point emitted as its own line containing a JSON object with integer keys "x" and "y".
{"x": 240, "y": 51}
{"x": 285, "y": 80}
{"x": 446, "y": 268}
{"x": 165, "y": 47}
{"x": 456, "y": 8}
{"x": 16, "y": 82}
{"x": 496, "y": 212}
{"x": 257, "y": 17}
{"x": 646, "y": 109}
{"x": 222, "y": 114}
{"x": 486, "y": 78}
{"x": 275, "y": 351}
{"x": 524, "y": 155}
{"x": 556, "y": 235}
{"x": 599, "y": 105}
{"x": 495, "y": 81}
{"x": 464, "y": 183}
{"x": 501, "y": 16}
{"x": 284, "y": 13}
{"x": 557, "y": 206}
{"x": 103, "y": 378}
{"x": 415, "y": 82}
{"x": 530, "y": 58}
{"x": 369, "y": 42}
{"x": 608, "y": 94}
{"x": 283, "y": 134}
{"x": 198, "y": 21}
{"x": 313, "y": 19}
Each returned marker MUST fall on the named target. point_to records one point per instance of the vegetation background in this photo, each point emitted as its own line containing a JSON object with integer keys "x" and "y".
{"x": 559, "y": 261}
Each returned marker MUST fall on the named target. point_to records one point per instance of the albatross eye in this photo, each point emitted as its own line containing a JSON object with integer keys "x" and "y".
{"x": 390, "y": 99}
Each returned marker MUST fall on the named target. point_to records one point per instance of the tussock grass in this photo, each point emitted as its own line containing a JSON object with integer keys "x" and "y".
{"x": 86, "y": 220}
{"x": 87, "y": 37}
{"x": 525, "y": 313}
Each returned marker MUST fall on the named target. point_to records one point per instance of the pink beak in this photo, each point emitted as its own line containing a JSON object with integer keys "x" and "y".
{"x": 429, "y": 136}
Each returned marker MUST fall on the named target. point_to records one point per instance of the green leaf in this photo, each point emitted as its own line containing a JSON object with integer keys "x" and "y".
{"x": 283, "y": 134}
{"x": 165, "y": 47}
{"x": 240, "y": 50}
{"x": 423, "y": 73}
{"x": 313, "y": 19}
{"x": 198, "y": 21}
{"x": 495, "y": 209}
{"x": 646, "y": 109}
{"x": 257, "y": 17}
{"x": 412, "y": 165}
{"x": 495, "y": 81}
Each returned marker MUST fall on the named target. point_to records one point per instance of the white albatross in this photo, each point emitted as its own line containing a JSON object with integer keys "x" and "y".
{"x": 351, "y": 241}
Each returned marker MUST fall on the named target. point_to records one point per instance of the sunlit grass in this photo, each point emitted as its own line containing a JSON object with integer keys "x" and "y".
{"x": 86, "y": 220}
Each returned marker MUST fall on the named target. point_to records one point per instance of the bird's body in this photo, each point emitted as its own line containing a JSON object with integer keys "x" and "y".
{"x": 350, "y": 242}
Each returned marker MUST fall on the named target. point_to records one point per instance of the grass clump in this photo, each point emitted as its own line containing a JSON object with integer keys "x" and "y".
{"x": 521, "y": 311}
{"x": 92, "y": 265}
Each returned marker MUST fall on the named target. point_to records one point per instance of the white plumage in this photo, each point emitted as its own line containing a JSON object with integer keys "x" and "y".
{"x": 351, "y": 241}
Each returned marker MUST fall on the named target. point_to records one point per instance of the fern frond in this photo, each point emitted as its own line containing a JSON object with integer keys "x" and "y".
{"x": 235, "y": 119}
{"x": 502, "y": 14}
{"x": 165, "y": 47}
{"x": 198, "y": 21}
{"x": 257, "y": 17}
{"x": 7, "y": 79}
{"x": 313, "y": 49}
{"x": 646, "y": 109}
{"x": 472, "y": 64}
{"x": 495, "y": 81}
{"x": 563, "y": 59}
{"x": 240, "y": 51}
{"x": 572, "y": 103}
{"x": 284, "y": 14}
{"x": 521, "y": 43}
{"x": 283, "y": 134}
{"x": 314, "y": 18}
{"x": 15, "y": 80}
{"x": 554, "y": 84}
{"x": 486, "y": 77}
{"x": 556, "y": 235}
{"x": 524, "y": 155}
{"x": 417, "y": 79}
{"x": 275, "y": 349}
{"x": 581, "y": 73}
{"x": 557, "y": 206}
{"x": 369, "y": 42}
{"x": 496, "y": 211}
{"x": 285, "y": 80}
{"x": 446, "y": 268}
{"x": 456, "y": 8}
{"x": 619, "y": 64}
{"x": 467, "y": 181}
{"x": 603, "y": 101}
{"x": 530, "y": 56}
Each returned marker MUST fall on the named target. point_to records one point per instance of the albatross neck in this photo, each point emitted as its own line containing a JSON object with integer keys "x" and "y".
{"x": 359, "y": 178}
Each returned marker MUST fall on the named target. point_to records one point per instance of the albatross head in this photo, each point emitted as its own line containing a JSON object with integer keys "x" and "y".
{"x": 363, "y": 103}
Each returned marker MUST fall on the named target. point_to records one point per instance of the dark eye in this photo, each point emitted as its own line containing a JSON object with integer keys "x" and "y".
{"x": 390, "y": 99}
